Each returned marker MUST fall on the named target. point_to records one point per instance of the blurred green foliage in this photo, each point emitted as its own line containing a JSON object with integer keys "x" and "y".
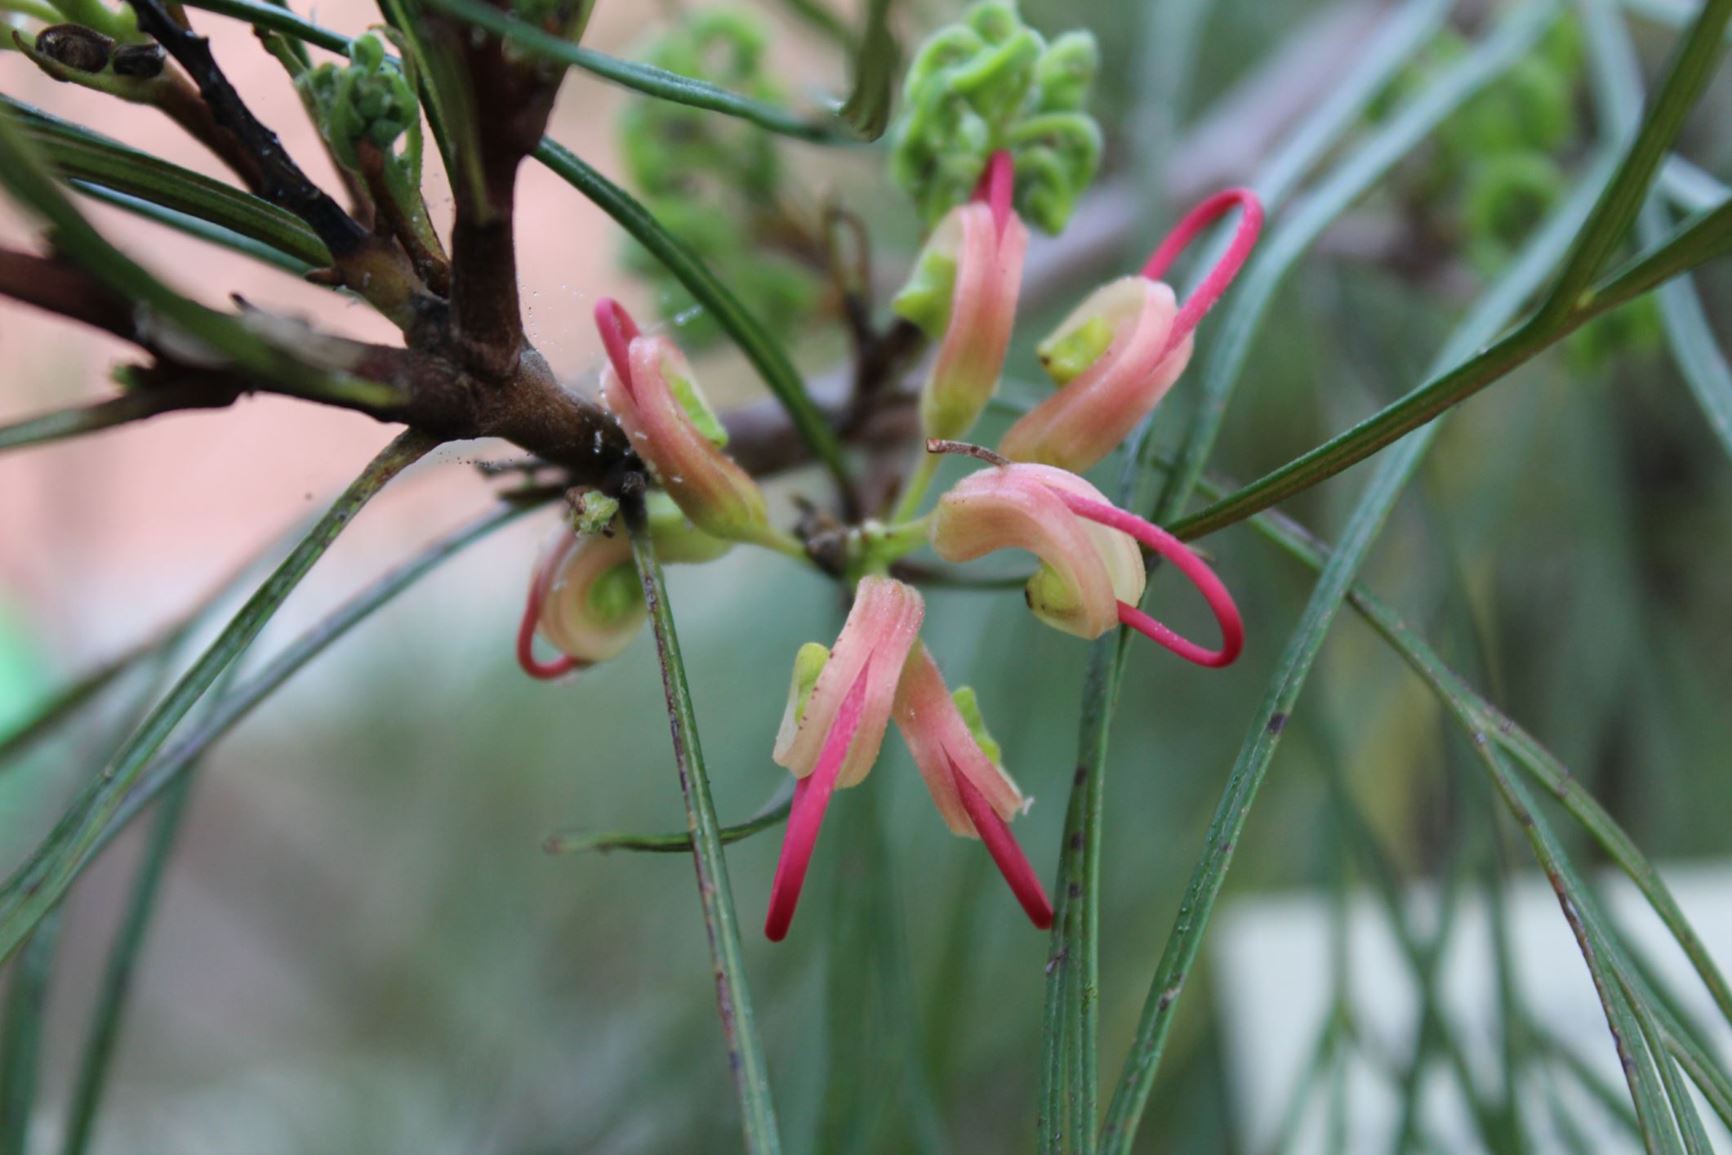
{"x": 719, "y": 185}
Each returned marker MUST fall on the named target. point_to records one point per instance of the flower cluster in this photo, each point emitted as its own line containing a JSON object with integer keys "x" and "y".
{"x": 1112, "y": 359}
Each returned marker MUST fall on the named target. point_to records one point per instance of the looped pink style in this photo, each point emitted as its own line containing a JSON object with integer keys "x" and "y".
{"x": 1193, "y": 567}
{"x": 1219, "y": 277}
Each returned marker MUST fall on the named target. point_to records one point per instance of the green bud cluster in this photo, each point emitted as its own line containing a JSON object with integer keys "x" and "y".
{"x": 991, "y": 82}
{"x": 366, "y": 99}
{"x": 714, "y": 183}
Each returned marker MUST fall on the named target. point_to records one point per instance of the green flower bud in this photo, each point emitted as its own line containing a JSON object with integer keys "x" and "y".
{"x": 969, "y": 707}
{"x": 990, "y": 83}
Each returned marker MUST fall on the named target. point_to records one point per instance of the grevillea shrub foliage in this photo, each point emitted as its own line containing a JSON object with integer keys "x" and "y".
{"x": 1511, "y": 146}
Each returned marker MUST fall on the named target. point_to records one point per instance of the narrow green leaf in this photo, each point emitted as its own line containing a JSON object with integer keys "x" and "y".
{"x": 91, "y": 159}
{"x": 772, "y": 814}
{"x": 1298, "y": 229}
{"x": 739, "y": 1027}
{"x": 234, "y": 707}
{"x": 29, "y": 178}
{"x": 762, "y": 349}
{"x": 78, "y": 420}
{"x": 1491, "y": 313}
{"x": 644, "y": 78}
{"x": 196, "y": 227}
{"x": 1691, "y": 68}
{"x": 21, "y": 1042}
{"x": 1073, "y": 969}
{"x": 867, "y": 109}
{"x": 36, "y": 887}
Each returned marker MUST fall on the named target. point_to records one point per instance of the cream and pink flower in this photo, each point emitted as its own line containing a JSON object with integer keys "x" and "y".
{"x": 1091, "y": 574}
{"x": 649, "y": 387}
{"x": 1116, "y": 355}
{"x": 839, "y": 706}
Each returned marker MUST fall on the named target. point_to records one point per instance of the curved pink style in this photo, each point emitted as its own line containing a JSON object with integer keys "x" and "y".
{"x": 1219, "y": 277}
{"x": 1002, "y": 845}
{"x": 972, "y": 792}
{"x": 532, "y": 665}
{"x": 1193, "y": 567}
{"x": 806, "y": 816}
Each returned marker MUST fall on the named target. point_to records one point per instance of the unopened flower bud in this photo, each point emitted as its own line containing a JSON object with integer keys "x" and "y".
{"x": 648, "y": 385}
{"x": 963, "y": 293}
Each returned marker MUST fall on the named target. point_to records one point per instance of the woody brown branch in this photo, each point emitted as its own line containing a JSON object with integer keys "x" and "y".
{"x": 372, "y": 266}
{"x": 513, "y": 98}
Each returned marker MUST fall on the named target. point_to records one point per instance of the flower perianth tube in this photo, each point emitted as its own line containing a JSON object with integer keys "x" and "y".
{"x": 649, "y": 388}
{"x": 838, "y": 709}
{"x": 1118, "y": 353}
{"x": 975, "y": 796}
{"x": 963, "y": 293}
{"x": 1193, "y": 567}
{"x": 1113, "y": 359}
{"x": 1085, "y": 570}
{"x": 880, "y": 630}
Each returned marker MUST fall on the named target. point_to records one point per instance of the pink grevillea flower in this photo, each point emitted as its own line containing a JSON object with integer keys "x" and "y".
{"x": 584, "y": 598}
{"x": 959, "y": 762}
{"x": 1119, "y": 352}
{"x": 1091, "y": 575}
{"x": 963, "y": 293}
{"x": 838, "y": 709}
{"x": 649, "y": 387}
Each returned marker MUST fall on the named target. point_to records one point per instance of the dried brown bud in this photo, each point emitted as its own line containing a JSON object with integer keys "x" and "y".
{"x": 142, "y": 61}
{"x": 75, "y": 46}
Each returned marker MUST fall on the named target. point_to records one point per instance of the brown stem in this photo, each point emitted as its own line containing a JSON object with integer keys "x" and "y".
{"x": 370, "y": 265}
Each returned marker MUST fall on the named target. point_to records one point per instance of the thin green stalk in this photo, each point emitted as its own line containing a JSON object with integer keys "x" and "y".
{"x": 97, "y": 1057}
{"x": 1692, "y": 66}
{"x": 1298, "y": 230}
{"x": 78, "y": 420}
{"x": 754, "y": 340}
{"x": 1490, "y": 314}
{"x": 37, "y": 887}
{"x": 21, "y": 1042}
{"x": 233, "y": 707}
{"x": 1073, "y": 968}
{"x": 645, "y": 78}
{"x": 739, "y": 1028}
{"x": 1570, "y": 304}
{"x": 772, "y": 814}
